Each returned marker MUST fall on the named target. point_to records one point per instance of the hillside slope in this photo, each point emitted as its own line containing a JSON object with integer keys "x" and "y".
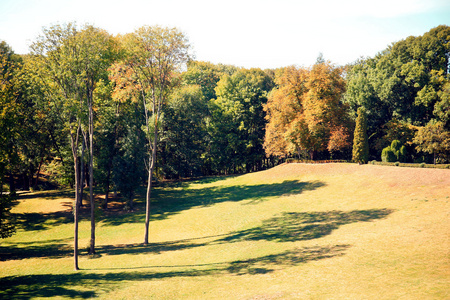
{"x": 297, "y": 231}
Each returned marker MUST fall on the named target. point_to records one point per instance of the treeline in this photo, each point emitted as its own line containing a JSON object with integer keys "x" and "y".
{"x": 120, "y": 111}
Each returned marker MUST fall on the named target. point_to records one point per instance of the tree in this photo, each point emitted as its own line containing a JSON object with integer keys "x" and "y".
{"x": 407, "y": 82}
{"x": 9, "y": 110}
{"x": 305, "y": 112}
{"x": 68, "y": 63}
{"x": 185, "y": 137}
{"x": 360, "y": 141}
{"x": 238, "y": 119}
{"x": 206, "y": 75}
{"x": 433, "y": 139}
{"x": 154, "y": 56}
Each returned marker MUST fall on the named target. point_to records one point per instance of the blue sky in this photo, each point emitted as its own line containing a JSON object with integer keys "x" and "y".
{"x": 247, "y": 33}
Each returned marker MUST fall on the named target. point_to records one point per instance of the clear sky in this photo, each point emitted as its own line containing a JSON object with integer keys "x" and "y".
{"x": 247, "y": 33}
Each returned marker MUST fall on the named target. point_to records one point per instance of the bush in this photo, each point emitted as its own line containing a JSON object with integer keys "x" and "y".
{"x": 388, "y": 155}
{"x": 403, "y": 154}
{"x": 395, "y": 145}
{"x": 412, "y": 165}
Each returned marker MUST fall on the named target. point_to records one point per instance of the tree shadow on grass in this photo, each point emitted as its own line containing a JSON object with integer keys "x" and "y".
{"x": 50, "y": 194}
{"x": 93, "y": 284}
{"x": 289, "y": 227}
{"x": 170, "y": 201}
{"x": 41, "y": 221}
{"x": 46, "y": 250}
{"x": 298, "y": 226}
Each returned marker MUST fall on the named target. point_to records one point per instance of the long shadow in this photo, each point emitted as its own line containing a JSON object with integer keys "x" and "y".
{"x": 289, "y": 227}
{"x": 295, "y": 226}
{"x": 41, "y": 221}
{"x": 50, "y": 194}
{"x": 170, "y": 201}
{"x": 65, "y": 285}
{"x": 48, "y": 250}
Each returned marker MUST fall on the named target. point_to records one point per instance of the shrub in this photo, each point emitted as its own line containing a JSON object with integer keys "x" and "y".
{"x": 403, "y": 154}
{"x": 395, "y": 145}
{"x": 422, "y": 165}
{"x": 397, "y": 164}
{"x": 388, "y": 155}
{"x": 360, "y": 152}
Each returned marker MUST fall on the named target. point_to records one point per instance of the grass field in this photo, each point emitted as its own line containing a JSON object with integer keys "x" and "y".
{"x": 297, "y": 231}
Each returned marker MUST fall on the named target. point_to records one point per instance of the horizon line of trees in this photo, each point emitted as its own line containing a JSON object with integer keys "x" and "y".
{"x": 92, "y": 109}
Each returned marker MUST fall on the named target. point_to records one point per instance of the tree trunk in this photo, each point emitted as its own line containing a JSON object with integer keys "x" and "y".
{"x": 91, "y": 177}
{"x": 152, "y": 162}
{"x": 74, "y": 145}
{"x": 12, "y": 183}
{"x": 105, "y": 202}
{"x": 81, "y": 175}
{"x": 38, "y": 172}
{"x": 75, "y": 213}
{"x": 91, "y": 170}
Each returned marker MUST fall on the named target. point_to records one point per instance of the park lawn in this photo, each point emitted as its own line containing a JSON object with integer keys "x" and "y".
{"x": 297, "y": 231}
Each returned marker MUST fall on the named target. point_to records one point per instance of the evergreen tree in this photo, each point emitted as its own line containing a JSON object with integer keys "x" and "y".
{"x": 360, "y": 141}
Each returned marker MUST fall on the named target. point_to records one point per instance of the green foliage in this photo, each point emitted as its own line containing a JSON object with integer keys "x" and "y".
{"x": 408, "y": 82}
{"x": 360, "y": 141}
{"x": 7, "y": 224}
{"x": 403, "y": 154}
{"x": 128, "y": 172}
{"x": 388, "y": 155}
{"x": 237, "y": 119}
{"x": 434, "y": 139}
{"x": 394, "y": 152}
{"x": 395, "y": 146}
{"x": 411, "y": 165}
{"x": 184, "y": 140}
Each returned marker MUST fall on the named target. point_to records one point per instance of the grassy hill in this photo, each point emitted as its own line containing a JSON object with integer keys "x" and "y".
{"x": 297, "y": 231}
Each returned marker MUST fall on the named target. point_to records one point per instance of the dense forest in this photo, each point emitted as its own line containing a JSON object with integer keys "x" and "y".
{"x": 84, "y": 108}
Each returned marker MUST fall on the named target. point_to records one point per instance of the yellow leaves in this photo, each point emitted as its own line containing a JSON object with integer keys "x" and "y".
{"x": 126, "y": 86}
{"x": 306, "y": 110}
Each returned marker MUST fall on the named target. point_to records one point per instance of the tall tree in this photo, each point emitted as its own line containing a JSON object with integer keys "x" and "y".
{"x": 9, "y": 123}
{"x": 407, "y": 82}
{"x": 360, "y": 141}
{"x": 238, "y": 119}
{"x": 433, "y": 139}
{"x": 155, "y": 56}
{"x": 96, "y": 54}
{"x": 185, "y": 136}
{"x": 305, "y": 112}
{"x": 68, "y": 63}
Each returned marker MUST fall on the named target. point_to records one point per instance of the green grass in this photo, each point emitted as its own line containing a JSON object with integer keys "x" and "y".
{"x": 334, "y": 231}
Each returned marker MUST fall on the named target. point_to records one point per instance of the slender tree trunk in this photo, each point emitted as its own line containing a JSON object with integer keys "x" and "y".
{"x": 152, "y": 162}
{"x": 38, "y": 172}
{"x": 12, "y": 183}
{"x": 75, "y": 214}
{"x": 91, "y": 177}
{"x": 39, "y": 168}
{"x": 105, "y": 202}
{"x": 77, "y": 200}
{"x": 81, "y": 175}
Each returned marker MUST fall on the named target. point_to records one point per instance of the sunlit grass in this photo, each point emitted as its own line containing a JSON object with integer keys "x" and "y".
{"x": 338, "y": 231}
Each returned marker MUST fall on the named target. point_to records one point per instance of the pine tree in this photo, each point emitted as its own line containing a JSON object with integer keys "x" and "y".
{"x": 360, "y": 141}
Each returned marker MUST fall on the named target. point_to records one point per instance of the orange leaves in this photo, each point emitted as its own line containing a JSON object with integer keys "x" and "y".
{"x": 339, "y": 139}
{"x": 305, "y": 112}
{"x": 126, "y": 86}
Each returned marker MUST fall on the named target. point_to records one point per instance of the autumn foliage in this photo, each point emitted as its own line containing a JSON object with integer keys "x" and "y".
{"x": 305, "y": 113}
